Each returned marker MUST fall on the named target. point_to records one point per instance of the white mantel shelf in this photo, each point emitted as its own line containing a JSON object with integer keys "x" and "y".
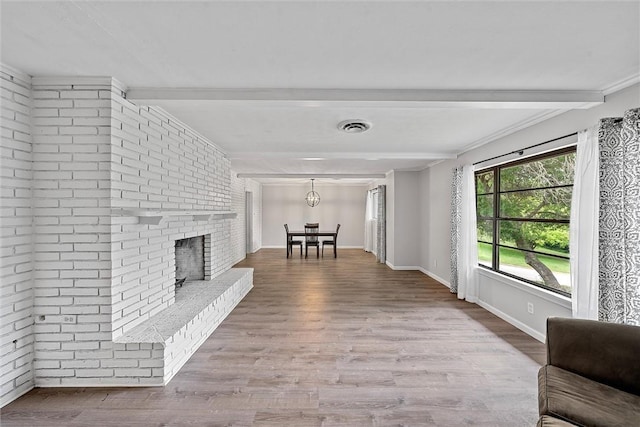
{"x": 154, "y": 216}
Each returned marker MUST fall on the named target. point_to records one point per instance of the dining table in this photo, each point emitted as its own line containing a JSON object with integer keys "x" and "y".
{"x": 331, "y": 233}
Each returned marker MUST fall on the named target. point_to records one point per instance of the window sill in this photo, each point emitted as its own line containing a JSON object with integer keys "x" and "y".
{"x": 545, "y": 294}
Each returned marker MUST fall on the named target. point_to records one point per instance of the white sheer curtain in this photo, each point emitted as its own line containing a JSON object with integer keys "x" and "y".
{"x": 468, "y": 259}
{"x": 369, "y": 224}
{"x": 464, "y": 239}
{"x": 583, "y": 228}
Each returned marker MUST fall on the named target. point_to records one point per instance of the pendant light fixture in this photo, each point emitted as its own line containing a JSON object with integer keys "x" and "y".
{"x": 313, "y": 198}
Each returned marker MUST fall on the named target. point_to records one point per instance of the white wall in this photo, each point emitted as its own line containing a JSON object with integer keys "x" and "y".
{"x": 424, "y": 221}
{"x": 506, "y": 297}
{"x": 339, "y": 204}
{"x": 436, "y": 260}
{"x": 406, "y": 217}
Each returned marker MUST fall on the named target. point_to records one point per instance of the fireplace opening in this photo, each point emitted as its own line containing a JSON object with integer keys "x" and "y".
{"x": 189, "y": 260}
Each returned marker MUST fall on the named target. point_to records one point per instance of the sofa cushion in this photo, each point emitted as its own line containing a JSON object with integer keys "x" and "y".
{"x": 569, "y": 396}
{"x": 604, "y": 352}
{"x": 548, "y": 421}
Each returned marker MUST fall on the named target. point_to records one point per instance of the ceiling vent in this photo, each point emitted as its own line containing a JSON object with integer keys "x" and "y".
{"x": 354, "y": 126}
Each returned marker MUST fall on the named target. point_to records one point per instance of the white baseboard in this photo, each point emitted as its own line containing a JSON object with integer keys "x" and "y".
{"x": 518, "y": 324}
{"x": 421, "y": 269}
{"x": 101, "y": 385}
{"x": 436, "y": 277}
{"x": 8, "y": 398}
{"x": 402, "y": 267}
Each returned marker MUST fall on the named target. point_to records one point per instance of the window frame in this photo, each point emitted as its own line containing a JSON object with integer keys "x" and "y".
{"x": 496, "y": 218}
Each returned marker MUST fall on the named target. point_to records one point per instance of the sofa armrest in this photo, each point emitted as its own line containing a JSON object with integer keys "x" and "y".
{"x": 603, "y": 352}
{"x": 574, "y": 399}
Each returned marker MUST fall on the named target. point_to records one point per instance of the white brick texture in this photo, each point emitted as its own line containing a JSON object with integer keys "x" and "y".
{"x": 256, "y": 193}
{"x": 240, "y": 189}
{"x": 16, "y": 267}
{"x": 76, "y": 273}
{"x": 72, "y": 214}
{"x": 158, "y": 163}
{"x": 238, "y": 244}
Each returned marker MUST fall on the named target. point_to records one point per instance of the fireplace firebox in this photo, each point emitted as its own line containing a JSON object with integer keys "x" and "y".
{"x": 190, "y": 261}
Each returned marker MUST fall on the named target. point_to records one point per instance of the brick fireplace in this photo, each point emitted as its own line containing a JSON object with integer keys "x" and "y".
{"x": 105, "y": 305}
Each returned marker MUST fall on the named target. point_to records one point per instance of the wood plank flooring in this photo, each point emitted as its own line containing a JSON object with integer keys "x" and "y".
{"x": 327, "y": 342}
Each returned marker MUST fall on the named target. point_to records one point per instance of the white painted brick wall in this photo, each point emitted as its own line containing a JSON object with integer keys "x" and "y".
{"x": 79, "y": 276}
{"x": 159, "y": 163}
{"x": 256, "y": 192}
{"x": 145, "y": 159}
{"x": 239, "y": 187}
{"x": 238, "y": 242}
{"x": 16, "y": 267}
{"x": 71, "y": 214}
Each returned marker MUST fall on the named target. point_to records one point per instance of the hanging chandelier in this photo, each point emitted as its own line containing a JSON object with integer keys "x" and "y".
{"x": 313, "y": 198}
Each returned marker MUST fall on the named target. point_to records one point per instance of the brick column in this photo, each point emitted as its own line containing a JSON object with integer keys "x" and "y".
{"x": 71, "y": 214}
{"x": 16, "y": 267}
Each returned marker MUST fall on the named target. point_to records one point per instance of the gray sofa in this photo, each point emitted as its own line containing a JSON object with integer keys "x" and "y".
{"x": 592, "y": 375}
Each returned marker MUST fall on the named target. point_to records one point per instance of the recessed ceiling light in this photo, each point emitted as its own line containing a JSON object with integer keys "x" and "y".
{"x": 354, "y": 126}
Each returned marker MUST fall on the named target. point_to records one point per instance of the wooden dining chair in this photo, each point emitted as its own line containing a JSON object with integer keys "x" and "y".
{"x": 291, "y": 243}
{"x": 311, "y": 239}
{"x": 332, "y": 242}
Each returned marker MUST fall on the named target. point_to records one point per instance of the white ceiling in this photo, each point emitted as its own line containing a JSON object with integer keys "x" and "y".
{"x": 269, "y": 81}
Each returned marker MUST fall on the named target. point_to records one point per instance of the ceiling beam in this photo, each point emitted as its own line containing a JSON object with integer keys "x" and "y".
{"x": 311, "y": 175}
{"x": 337, "y": 155}
{"x": 405, "y": 98}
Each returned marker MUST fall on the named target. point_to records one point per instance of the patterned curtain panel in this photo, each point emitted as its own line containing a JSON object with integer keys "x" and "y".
{"x": 381, "y": 246}
{"x": 619, "y": 220}
{"x": 456, "y": 220}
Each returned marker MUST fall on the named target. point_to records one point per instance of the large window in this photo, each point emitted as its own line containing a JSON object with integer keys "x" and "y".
{"x": 523, "y": 218}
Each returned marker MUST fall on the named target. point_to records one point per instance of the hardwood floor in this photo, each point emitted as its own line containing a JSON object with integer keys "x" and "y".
{"x": 327, "y": 342}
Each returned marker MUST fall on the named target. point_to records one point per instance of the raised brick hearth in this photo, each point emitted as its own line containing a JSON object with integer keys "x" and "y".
{"x": 174, "y": 334}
